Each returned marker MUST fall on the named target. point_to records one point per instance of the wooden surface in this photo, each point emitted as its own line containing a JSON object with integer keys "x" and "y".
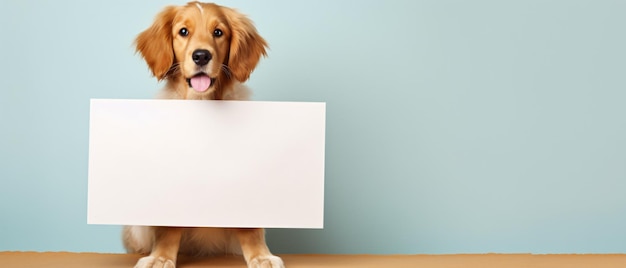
{"x": 96, "y": 260}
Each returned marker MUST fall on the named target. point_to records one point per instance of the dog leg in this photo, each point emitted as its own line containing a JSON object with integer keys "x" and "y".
{"x": 164, "y": 248}
{"x": 255, "y": 250}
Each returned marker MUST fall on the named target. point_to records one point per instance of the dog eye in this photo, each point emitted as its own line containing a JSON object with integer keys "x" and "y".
{"x": 217, "y": 33}
{"x": 183, "y": 32}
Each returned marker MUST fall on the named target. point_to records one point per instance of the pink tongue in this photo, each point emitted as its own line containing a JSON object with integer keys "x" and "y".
{"x": 200, "y": 83}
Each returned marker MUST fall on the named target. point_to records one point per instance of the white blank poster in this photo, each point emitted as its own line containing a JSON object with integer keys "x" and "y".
{"x": 206, "y": 163}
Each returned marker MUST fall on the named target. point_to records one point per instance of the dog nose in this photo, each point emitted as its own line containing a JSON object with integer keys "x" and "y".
{"x": 201, "y": 57}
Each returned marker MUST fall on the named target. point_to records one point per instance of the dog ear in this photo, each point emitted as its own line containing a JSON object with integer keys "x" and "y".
{"x": 155, "y": 43}
{"x": 246, "y": 45}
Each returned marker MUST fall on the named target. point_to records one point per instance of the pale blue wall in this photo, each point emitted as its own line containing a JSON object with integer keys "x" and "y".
{"x": 453, "y": 126}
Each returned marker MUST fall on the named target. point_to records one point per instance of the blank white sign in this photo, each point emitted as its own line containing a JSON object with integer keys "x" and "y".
{"x": 206, "y": 163}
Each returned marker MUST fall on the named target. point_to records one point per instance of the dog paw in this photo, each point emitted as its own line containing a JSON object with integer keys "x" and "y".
{"x": 266, "y": 262}
{"x": 155, "y": 262}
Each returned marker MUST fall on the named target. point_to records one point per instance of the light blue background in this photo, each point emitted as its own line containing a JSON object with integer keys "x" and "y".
{"x": 452, "y": 126}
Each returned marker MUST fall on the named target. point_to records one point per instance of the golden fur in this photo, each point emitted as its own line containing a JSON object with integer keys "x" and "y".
{"x": 234, "y": 48}
{"x": 168, "y": 54}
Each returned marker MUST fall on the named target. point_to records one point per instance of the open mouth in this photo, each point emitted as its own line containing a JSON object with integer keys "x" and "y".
{"x": 200, "y": 82}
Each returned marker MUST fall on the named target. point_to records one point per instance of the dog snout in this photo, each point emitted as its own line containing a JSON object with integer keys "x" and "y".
{"x": 201, "y": 57}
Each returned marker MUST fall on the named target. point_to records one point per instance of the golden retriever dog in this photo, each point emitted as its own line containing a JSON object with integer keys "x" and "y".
{"x": 202, "y": 51}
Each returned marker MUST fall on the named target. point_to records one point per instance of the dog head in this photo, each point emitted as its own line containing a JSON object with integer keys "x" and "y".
{"x": 202, "y": 47}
